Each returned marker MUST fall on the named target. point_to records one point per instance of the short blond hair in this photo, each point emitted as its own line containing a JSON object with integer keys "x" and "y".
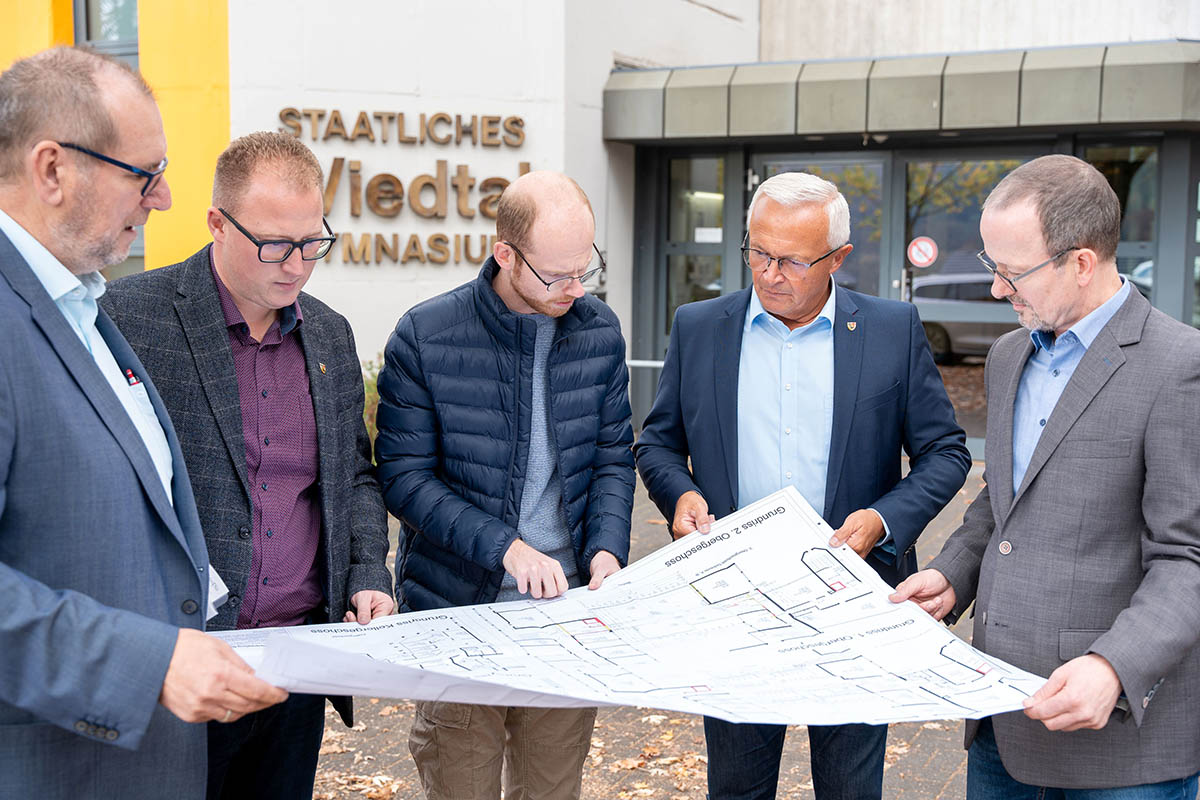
{"x": 281, "y": 153}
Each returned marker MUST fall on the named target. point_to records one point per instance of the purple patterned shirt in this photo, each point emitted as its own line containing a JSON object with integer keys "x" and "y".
{"x": 280, "y": 432}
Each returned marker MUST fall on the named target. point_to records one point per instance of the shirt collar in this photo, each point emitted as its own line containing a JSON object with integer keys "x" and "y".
{"x": 57, "y": 280}
{"x": 756, "y": 310}
{"x": 1087, "y": 329}
{"x": 289, "y": 316}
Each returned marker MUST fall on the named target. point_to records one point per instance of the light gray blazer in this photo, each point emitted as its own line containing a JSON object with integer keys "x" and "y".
{"x": 1099, "y": 550}
{"x": 97, "y": 570}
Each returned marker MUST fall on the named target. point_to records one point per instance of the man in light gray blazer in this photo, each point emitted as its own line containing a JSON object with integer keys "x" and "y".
{"x": 103, "y": 568}
{"x": 1082, "y": 552}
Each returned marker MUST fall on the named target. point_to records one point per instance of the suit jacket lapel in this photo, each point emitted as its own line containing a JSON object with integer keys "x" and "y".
{"x": 1098, "y": 364}
{"x": 324, "y": 403}
{"x": 727, "y": 349}
{"x": 83, "y": 371}
{"x": 144, "y": 465}
{"x": 1000, "y": 418}
{"x": 847, "y": 370}
{"x": 199, "y": 310}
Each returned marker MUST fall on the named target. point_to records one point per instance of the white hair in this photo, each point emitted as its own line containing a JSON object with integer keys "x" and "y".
{"x": 791, "y": 189}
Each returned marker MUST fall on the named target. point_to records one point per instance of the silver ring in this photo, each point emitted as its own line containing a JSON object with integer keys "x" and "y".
{"x": 228, "y": 714}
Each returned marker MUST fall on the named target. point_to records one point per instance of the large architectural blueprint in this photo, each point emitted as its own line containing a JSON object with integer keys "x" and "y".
{"x": 757, "y": 621}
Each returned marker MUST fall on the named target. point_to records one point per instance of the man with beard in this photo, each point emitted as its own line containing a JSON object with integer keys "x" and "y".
{"x": 103, "y": 566}
{"x": 1082, "y": 552}
{"x": 504, "y": 448}
{"x": 266, "y": 391}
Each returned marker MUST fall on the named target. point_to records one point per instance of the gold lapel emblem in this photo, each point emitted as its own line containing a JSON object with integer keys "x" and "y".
{"x": 322, "y": 366}
{"x": 849, "y": 326}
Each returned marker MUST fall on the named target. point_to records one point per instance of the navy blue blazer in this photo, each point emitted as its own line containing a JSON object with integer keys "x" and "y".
{"x": 888, "y": 396}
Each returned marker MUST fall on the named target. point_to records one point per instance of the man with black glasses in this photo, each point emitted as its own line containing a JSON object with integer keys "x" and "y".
{"x": 504, "y": 435}
{"x": 265, "y": 389}
{"x": 800, "y": 382}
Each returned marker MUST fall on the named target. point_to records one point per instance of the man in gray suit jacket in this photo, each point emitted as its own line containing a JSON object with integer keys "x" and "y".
{"x": 103, "y": 568}
{"x": 266, "y": 391}
{"x": 1082, "y": 553}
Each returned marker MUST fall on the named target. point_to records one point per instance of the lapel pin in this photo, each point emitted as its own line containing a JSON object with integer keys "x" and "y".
{"x": 322, "y": 366}
{"x": 851, "y": 326}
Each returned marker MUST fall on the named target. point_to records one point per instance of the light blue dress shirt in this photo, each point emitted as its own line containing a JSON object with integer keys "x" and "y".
{"x": 1046, "y": 374}
{"x": 75, "y": 297}
{"x": 785, "y": 405}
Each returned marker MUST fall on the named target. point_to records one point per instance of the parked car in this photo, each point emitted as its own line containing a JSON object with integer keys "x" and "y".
{"x": 950, "y": 340}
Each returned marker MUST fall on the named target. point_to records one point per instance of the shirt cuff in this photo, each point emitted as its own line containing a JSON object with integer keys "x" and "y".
{"x": 886, "y": 542}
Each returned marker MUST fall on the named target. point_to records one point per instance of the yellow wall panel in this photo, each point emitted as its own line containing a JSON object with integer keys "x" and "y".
{"x": 183, "y": 50}
{"x": 33, "y": 25}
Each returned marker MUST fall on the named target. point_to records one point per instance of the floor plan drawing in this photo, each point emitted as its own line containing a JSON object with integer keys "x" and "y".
{"x": 759, "y": 620}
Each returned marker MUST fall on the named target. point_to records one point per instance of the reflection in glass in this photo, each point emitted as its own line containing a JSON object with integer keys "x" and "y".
{"x": 943, "y": 201}
{"x": 112, "y": 20}
{"x": 1133, "y": 174}
{"x": 691, "y": 278}
{"x": 696, "y": 198}
{"x": 861, "y": 183}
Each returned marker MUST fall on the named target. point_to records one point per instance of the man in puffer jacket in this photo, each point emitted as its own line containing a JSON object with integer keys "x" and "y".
{"x": 504, "y": 448}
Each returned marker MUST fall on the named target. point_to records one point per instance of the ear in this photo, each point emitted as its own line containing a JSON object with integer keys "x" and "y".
{"x": 1085, "y": 263}
{"x": 840, "y": 257}
{"x": 50, "y": 172}
{"x": 505, "y": 256}
{"x": 217, "y": 224}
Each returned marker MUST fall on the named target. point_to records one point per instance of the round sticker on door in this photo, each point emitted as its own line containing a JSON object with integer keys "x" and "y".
{"x": 922, "y": 252}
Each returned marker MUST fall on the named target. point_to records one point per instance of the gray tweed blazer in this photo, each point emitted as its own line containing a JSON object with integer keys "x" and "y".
{"x": 172, "y": 318}
{"x": 1097, "y": 551}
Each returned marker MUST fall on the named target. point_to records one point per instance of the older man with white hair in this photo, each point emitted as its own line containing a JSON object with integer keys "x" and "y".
{"x": 800, "y": 382}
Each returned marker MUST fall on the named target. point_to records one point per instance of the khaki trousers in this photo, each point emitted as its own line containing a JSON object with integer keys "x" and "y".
{"x": 459, "y": 750}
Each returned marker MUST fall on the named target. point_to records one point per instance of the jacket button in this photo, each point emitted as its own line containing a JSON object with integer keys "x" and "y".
{"x": 244, "y": 532}
{"x": 111, "y": 735}
{"x": 91, "y": 730}
{"x": 189, "y": 607}
{"x": 234, "y": 600}
{"x": 101, "y": 731}
{"x": 1005, "y": 547}
{"x": 80, "y": 726}
{"x": 732, "y": 508}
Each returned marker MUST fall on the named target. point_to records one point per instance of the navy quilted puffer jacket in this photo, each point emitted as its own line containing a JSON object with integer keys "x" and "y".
{"x": 454, "y": 420}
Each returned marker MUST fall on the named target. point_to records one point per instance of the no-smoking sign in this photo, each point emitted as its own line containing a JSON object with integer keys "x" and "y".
{"x": 922, "y": 252}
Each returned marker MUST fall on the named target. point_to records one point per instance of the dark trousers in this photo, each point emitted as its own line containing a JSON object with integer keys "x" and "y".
{"x": 269, "y": 754}
{"x": 743, "y": 760}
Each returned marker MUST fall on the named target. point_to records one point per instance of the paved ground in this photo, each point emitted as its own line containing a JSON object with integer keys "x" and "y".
{"x": 644, "y": 753}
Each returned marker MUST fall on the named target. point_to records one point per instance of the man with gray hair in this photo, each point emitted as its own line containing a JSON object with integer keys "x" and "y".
{"x": 800, "y": 382}
{"x": 103, "y": 567}
{"x": 1082, "y": 552}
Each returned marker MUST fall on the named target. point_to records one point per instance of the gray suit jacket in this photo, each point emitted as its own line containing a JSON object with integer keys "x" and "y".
{"x": 98, "y": 570}
{"x": 172, "y": 318}
{"x": 1098, "y": 552}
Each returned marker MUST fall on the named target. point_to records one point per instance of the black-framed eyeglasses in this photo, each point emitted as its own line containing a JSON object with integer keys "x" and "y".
{"x": 565, "y": 280}
{"x": 152, "y": 176}
{"x": 991, "y": 267}
{"x": 274, "y": 251}
{"x": 758, "y": 261}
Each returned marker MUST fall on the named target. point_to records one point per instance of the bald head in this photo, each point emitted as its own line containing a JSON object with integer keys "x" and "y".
{"x": 64, "y": 94}
{"x": 540, "y": 200}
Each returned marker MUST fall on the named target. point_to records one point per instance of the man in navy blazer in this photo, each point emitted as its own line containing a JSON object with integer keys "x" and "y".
{"x": 801, "y": 382}
{"x": 103, "y": 567}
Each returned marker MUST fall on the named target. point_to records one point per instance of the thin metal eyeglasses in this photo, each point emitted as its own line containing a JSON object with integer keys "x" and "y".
{"x": 152, "y": 176}
{"x": 566, "y": 279}
{"x": 991, "y": 267}
{"x": 275, "y": 251}
{"x": 758, "y": 261}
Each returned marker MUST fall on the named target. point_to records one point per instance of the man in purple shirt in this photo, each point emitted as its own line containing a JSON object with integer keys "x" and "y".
{"x": 265, "y": 389}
